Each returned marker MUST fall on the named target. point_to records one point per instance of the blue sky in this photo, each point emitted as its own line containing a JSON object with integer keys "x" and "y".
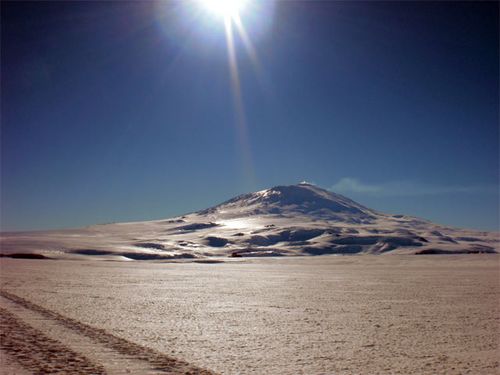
{"x": 125, "y": 111}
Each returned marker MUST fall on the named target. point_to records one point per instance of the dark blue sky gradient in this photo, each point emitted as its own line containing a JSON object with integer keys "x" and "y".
{"x": 123, "y": 111}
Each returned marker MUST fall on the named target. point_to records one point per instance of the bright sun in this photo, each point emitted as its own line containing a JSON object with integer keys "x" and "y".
{"x": 225, "y": 8}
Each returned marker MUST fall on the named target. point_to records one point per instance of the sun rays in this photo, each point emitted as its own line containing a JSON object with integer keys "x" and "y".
{"x": 236, "y": 23}
{"x": 231, "y": 13}
{"x": 239, "y": 108}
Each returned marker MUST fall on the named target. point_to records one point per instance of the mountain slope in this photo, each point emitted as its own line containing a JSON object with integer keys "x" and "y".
{"x": 302, "y": 199}
{"x": 284, "y": 220}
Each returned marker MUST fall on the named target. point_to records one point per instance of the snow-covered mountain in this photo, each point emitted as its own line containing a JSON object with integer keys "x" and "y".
{"x": 295, "y": 200}
{"x": 299, "y": 219}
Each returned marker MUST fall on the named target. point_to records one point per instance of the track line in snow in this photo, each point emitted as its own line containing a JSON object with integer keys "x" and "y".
{"x": 112, "y": 354}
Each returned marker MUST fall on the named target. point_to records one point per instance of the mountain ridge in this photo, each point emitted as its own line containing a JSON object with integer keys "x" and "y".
{"x": 305, "y": 198}
{"x": 285, "y": 220}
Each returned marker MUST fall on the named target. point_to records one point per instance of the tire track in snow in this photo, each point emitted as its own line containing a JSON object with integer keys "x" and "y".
{"x": 158, "y": 361}
{"x": 39, "y": 353}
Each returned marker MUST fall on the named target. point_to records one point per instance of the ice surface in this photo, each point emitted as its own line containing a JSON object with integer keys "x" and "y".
{"x": 344, "y": 315}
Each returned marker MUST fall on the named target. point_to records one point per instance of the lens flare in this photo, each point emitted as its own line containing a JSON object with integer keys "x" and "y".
{"x": 232, "y": 12}
{"x": 238, "y": 103}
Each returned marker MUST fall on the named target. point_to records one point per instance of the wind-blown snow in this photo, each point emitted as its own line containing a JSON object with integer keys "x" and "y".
{"x": 282, "y": 221}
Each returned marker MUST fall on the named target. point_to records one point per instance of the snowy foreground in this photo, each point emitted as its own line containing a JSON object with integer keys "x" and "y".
{"x": 282, "y": 221}
{"x": 205, "y": 303}
{"x": 423, "y": 315}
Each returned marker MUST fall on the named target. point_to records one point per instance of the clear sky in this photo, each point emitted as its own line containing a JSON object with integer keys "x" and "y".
{"x": 127, "y": 111}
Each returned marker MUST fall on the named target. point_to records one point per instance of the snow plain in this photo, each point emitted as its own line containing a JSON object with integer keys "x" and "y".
{"x": 234, "y": 289}
{"x": 429, "y": 314}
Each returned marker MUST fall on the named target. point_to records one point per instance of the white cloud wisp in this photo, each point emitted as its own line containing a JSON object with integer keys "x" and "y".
{"x": 405, "y": 188}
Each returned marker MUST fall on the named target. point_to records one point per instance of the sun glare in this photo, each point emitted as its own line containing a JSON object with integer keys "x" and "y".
{"x": 225, "y": 8}
{"x": 231, "y": 13}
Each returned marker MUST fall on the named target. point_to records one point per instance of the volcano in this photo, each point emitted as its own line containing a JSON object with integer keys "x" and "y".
{"x": 295, "y": 200}
{"x": 290, "y": 220}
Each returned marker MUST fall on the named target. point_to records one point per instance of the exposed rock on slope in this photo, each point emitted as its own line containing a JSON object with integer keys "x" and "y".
{"x": 285, "y": 220}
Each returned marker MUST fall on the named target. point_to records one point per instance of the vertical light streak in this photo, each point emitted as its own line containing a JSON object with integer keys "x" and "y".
{"x": 252, "y": 53}
{"x": 238, "y": 103}
{"x": 248, "y": 44}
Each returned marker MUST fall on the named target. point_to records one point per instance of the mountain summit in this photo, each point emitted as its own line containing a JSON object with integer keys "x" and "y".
{"x": 290, "y": 220}
{"x": 301, "y": 199}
